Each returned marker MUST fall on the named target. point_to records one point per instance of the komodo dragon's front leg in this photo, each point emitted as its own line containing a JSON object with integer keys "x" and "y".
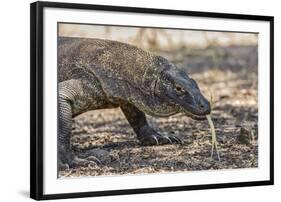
{"x": 145, "y": 134}
{"x": 75, "y": 97}
{"x": 67, "y": 95}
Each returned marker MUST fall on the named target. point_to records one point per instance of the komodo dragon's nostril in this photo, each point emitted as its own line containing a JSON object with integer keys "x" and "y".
{"x": 204, "y": 106}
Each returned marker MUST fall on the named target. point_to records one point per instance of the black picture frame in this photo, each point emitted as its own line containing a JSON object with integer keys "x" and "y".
{"x": 36, "y": 99}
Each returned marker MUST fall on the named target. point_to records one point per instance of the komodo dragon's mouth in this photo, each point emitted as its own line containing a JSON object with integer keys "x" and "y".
{"x": 195, "y": 113}
{"x": 195, "y": 108}
{"x": 196, "y": 117}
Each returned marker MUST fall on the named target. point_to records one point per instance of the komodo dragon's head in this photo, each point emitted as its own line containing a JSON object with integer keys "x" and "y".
{"x": 178, "y": 89}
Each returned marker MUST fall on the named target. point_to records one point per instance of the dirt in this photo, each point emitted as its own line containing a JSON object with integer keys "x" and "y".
{"x": 227, "y": 77}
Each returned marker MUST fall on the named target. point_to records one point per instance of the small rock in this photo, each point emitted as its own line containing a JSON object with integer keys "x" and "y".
{"x": 145, "y": 156}
{"x": 188, "y": 140}
{"x": 245, "y": 136}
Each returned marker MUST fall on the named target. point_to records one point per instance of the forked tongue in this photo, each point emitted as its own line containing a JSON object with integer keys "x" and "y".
{"x": 214, "y": 138}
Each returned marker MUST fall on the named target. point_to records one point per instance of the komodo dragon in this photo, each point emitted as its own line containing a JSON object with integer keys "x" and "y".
{"x": 99, "y": 74}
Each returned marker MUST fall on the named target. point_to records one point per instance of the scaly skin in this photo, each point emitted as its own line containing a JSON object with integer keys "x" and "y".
{"x": 99, "y": 74}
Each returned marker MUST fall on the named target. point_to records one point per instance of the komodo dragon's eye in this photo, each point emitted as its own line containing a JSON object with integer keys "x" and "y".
{"x": 179, "y": 89}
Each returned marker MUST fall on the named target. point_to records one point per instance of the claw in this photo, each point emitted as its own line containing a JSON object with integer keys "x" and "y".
{"x": 177, "y": 140}
{"x": 93, "y": 159}
{"x": 155, "y": 138}
{"x": 180, "y": 140}
{"x": 166, "y": 137}
{"x": 79, "y": 162}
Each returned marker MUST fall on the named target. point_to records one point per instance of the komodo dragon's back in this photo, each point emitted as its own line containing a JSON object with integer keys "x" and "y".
{"x": 123, "y": 70}
{"x": 118, "y": 60}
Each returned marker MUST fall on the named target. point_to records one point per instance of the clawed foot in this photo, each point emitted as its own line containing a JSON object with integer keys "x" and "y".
{"x": 92, "y": 157}
{"x": 151, "y": 137}
{"x": 79, "y": 162}
{"x": 76, "y": 162}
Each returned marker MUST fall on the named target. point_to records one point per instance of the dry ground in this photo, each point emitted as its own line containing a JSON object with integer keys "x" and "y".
{"x": 228, "y": 77}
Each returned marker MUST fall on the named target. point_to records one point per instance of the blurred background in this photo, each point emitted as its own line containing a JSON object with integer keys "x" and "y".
{"x": 221, "y": 49}
{"x": 164, "y": 39}
{"x": 224, "y": 64}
